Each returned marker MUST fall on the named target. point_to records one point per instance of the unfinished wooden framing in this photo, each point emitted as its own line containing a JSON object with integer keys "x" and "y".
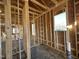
{"x": 0, "y": 40}
{"x": 26, "y": 24}
{"x": 54, "y": 1}
{"x": 34, "y": 1}
{"x": 47, "y": 41}
{"x": 72, "y": 32}
{"x": 76, "y": 15}
{"x": 44, "y": 25}
{"x": 8, "y": 29}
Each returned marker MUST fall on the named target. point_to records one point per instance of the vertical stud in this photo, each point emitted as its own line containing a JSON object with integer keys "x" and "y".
{"x": 26, "y": 24}
{"x": 8, "y": 29}
{"x": 0, "y": 40}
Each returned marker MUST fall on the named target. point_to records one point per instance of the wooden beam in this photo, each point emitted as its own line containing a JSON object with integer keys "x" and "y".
{"x": 0, "y": 40}
{"x": 20, "y": 4}
{"x": 16, "y": 7}
{"x": 13, "y": 12}
{"x": 33, "y": 13}
{"x": 76, "y": 3}
{"x": 1, "y": 3}
{"x": 43, "y": 28}
{"x": 26, "y": 25}
{"x": 35, "y": 10}
{"x": 70, "y": 20}
{"x": 35, "y": 28}
{"x": 41, "y": 5}
{"x": 38, "y": 30}
{"x": 38, "y": 7}
{"x": 46, "y": 28}
{"x": 76, "y": 32}
{"x": 8, "y": 29}
{"x": 18, "y": 25}
{"x": 2, "y": 14}
{"x": 51, "y": 30}
{"x": 44, "y": 3}
{"x": 51, "y": 9}
{"x": 29, "y": 8}
{"x": 54, "y": 1}
{"x": 11, "y": 6}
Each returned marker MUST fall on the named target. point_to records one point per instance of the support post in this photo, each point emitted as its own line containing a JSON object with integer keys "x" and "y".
{"x": 51, "y": 27}
{"x": 75, "y": 10}
{"x": 26, "y": 25}
{"x": 0, "y": 40}
{"x": 69, "y": 13}
{"x": 38, "y": 31}
{"x": 34, "y": 36}
{"x": 20, "y": 54}
{"x": 46, "y": 28}
{"x": 8, "y": 29}
{"x": 56, "y": 39}
{"x": 68, "y": 46}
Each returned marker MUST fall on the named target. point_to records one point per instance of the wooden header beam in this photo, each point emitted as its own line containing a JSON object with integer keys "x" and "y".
{"x": 41, "y": 5}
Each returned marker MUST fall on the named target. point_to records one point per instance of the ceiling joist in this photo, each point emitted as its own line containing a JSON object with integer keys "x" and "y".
{"x": 33, "y": 13}
{"x": 44, "y": 3}
{"x": 1, "y": 3}
{"x": 15, "y": 7}
{"x": 35, "y": 10}
{"x": 54, "y": 1}
{"x": 41, "y": 5}
{"x": 61, "y": 3}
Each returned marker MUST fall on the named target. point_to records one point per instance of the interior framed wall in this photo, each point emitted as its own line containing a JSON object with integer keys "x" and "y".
{"x": 76, "y": 13}
{"x": 50, "y": 36}
{"x": 60, "y": 34}
{"x": 46, "y": 28}
{"x": 11, "y": 23}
